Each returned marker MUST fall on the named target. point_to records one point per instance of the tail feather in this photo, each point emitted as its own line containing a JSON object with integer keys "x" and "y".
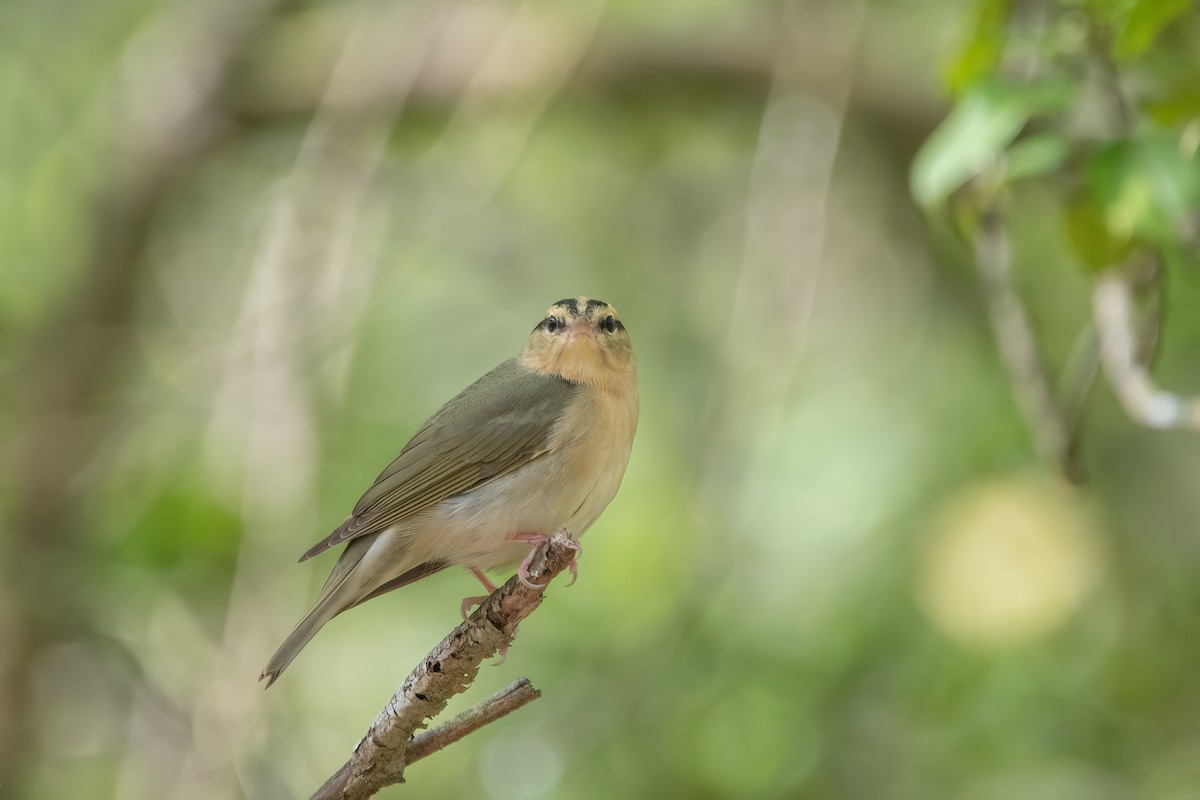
{"x": 336, "y": 597}
{"x": 325, "y": 610}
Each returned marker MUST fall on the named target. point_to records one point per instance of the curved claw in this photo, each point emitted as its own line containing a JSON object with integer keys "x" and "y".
{"x": 464, "y": 608}
{"x": 524, "y": 577}
{"x": 573, "y": 566}
{"x": 538, "y": 540}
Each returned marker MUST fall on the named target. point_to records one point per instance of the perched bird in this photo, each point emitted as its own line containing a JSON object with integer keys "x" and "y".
{"x": 538, "y": 443}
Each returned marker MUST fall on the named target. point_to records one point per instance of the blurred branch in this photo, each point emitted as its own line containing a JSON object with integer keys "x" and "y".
{"x": 1127, "y": 343}
{"x": 735, "y": 61}
{"x": 1125, "y": 356}
{"x": 303, "y": 297}
{"x": 1077, "y": 381}
{"x": 772, "y": 323}
{"x": 1122, "y": 115}
{"x": 167, "y": 113}
{"x": 1018, "y": 347}
{"x": 380, "y": 758}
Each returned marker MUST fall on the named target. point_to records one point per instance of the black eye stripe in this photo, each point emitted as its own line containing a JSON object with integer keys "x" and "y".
{"x": 571, "y": 304}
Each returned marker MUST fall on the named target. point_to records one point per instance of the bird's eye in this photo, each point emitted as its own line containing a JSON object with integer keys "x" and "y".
{"x": 552, "y": 324}
{"x": 608, "y": 324}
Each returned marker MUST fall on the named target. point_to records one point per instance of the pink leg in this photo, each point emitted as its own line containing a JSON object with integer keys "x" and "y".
{"x": 467, "y": 602}
{"x": 537, "y": 540}
{"x": 478, "y": 573}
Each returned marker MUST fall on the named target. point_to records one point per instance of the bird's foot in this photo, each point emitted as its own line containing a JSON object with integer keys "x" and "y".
{"x": 538, "y": 540}
{"x": 468, "y": 602}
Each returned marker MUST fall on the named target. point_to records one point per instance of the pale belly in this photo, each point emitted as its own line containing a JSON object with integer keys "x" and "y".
{"x": 476, "y": 529}
{"x": 569, "y": 487}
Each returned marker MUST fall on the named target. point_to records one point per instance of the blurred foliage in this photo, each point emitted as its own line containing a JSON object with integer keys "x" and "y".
{"x": 1094, "y": 100}
{"x": 836, "y": 569}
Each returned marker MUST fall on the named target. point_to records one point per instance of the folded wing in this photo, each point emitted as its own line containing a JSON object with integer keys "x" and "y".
{"x": 502, "y": 421}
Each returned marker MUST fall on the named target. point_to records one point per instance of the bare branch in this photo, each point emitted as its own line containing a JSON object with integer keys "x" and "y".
{"x": 1076, "y": 382}
{"x": 1125, "y": 359}
{"x": 503, "y": 703}
{"x": 1018, "y": 347}
{"x": 380, "y": 758}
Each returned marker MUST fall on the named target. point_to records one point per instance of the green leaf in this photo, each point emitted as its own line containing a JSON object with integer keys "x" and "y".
{"x": 983, "y": 123}
{"x": 1091, "y": 238}
{"x": 1035, "y": 156}
{"x": 1145, "y": 188}
{"x": 1181, "y": 104}
{"x": 982, "y": 51}
{"x": 1143, "y": 23}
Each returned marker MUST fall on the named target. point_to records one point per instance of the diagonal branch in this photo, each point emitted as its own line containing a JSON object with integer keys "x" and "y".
{"x": 379, "y": 759}
{"x": 519, "y": 693}
{"x": 1052, "y": 434}
{"x": 1076, "y": 382}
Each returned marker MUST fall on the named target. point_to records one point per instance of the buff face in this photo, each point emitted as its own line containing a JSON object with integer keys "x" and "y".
{"x": 582, "y": 340}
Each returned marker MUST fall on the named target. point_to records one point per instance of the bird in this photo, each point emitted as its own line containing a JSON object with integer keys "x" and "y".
{"x": 539, "y": 443}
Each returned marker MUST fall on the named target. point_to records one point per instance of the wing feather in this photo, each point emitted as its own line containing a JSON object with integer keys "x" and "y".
{"x": 500, "y": 422}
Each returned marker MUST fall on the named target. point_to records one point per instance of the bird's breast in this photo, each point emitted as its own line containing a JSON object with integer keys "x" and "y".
{"x": 595, "y": 439}
{"x": 568, "y": 486}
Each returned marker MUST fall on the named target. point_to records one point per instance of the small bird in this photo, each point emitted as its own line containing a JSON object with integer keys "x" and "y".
{"x": 540, "y": 442}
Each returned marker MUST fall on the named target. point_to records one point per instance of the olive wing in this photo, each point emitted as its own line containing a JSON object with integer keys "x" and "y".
{"x": 500, "y": 422}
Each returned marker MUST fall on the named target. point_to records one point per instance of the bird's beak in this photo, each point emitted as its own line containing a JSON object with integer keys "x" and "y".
{"x": 577, "y": 327}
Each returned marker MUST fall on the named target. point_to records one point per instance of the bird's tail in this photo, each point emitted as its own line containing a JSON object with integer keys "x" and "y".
{"x": 337, "y": 595}
{"x": 326, "y": 609}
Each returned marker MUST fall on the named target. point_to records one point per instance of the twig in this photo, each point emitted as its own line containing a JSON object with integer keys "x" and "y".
{"x": 1122, "y": 116}
{"x": 1127, "y": 345}
{"x": 1018, "y": 347}
{"x": 519, "y": 693}
{"x": 379, "y": 759}
{"x": 1123, "y": 356}
{"x": 1076, "y": 382}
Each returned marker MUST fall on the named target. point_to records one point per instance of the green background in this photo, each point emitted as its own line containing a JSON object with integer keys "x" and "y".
{"x": 837, "y": 567}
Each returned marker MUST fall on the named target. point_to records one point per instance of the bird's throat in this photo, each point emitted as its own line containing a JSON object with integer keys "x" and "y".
{"x": 582, "y": 360}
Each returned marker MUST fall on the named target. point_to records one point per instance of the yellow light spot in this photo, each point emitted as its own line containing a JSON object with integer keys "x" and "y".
{"x": 1008, "y": 562}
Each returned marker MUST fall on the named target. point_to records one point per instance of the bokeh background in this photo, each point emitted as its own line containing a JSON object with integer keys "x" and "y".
{"x": 246, "y": 247}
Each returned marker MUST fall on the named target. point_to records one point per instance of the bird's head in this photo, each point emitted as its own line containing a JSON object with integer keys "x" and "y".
{"x": 583, "y": 341}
